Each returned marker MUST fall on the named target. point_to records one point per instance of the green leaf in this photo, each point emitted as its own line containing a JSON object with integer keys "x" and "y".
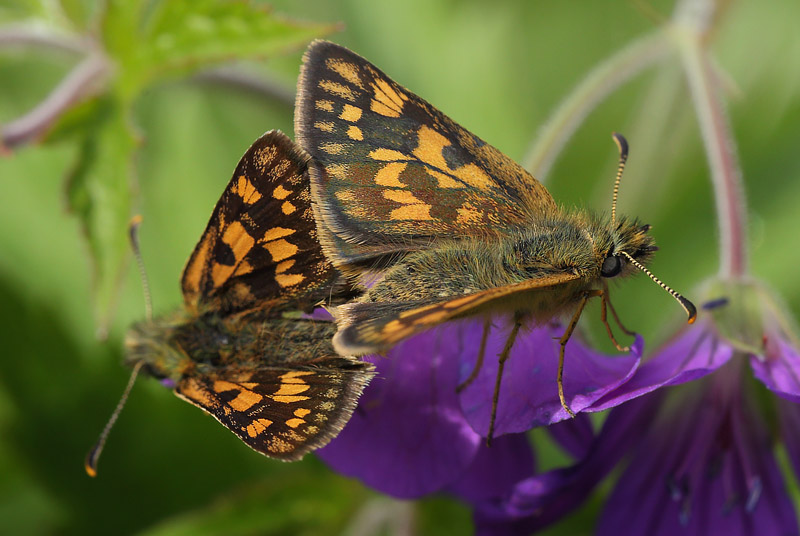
{"x": 120, "y": 25}
{"x": 16, "y": 10}
{"x": 75, "y": 122}
{"x": 69, "y": 15}
{"x": 181, "y": 36}
{"x": 80, "y": 12}
{"x": 99, "y": 193}
{"x": 302, "y": 502}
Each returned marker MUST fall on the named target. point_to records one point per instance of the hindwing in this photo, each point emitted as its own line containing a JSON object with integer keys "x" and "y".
{"x": 282, "y": 412}
{"x": 261, "y": 241}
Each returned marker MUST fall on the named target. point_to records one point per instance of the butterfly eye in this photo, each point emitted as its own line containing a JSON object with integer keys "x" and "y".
{"x": 611, "y": 266}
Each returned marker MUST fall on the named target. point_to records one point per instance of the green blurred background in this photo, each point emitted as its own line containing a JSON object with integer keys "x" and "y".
{"x": 499, "y": 68}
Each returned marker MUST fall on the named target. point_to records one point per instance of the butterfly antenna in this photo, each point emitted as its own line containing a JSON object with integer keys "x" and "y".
{"x": 622, "y": 145}
{"x": 688, "y": 306}
{"x": 90, "y": 464}
{"x": 133, "y": 234}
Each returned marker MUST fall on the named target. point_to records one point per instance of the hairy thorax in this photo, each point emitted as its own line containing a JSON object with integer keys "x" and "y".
{"x": 473, "y": 265}
{"x": 564, "y": 243}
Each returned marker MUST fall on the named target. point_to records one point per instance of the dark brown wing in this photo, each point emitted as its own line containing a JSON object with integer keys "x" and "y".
{"x": 392, "y": 173}
{"x": 370, "y": 327}
{"x": 282, "y": 412}
{"x": 261, "y": 241}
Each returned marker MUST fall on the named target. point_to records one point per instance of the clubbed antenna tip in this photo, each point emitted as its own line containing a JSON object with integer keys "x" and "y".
{"x": 691, "y": 310}
{"x": 90, "y": 464}
{"x": 622, "y": 145}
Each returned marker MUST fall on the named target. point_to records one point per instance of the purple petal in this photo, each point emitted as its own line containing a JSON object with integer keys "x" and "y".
{"x": 408, "y": 438}
{"x": 502, "y": 527}
{"x": 169, "y": 383}
{"x": 789, "y": 416}
{"x": 496, "y": 469}
{"x": 547, "y": 497}
{"x": 574, "y": 435}
{"x": 637, "y": 348}
{"x": 528, "y": 392}
{"x": 320, "y": 313}
{"x": 695, "y": 352}
{"x": 778, "y": 368}
{"x": 704, "y": 467}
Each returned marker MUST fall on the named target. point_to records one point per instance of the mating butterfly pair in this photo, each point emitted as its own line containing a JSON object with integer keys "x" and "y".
{"x": 454, "y": 227}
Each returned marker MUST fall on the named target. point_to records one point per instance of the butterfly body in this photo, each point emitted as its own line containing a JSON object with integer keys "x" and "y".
{"x": 563, "y": 243}
{"x": 399, "y": 187}
{"x": 180, "y": 344}
{"x": 452, "y": 227}
{"x": 240, "y": 349}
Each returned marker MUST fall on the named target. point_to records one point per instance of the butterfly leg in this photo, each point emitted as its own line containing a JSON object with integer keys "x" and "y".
{"x": 607, "y": 299}
{"x": 605, "y": 303}
{"x": 479, "y": 363}
{"x": 563, "y": 342}
{"x": 501, "y": 365}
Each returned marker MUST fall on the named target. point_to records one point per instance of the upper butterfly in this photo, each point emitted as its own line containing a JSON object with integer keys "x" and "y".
{"x": 272, "y": 380}
{"x": 455, "y": 226}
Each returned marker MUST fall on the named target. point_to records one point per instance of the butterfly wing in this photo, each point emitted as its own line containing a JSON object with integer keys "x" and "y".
{"x": 392, "y": 173}
{"x": 370, "y": 327}
{"x": 282, "y": 412}
{"x": 261, "y": 240}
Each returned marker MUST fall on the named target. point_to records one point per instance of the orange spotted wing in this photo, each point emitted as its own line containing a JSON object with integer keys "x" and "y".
{"x": 370, "y": 327}
{"x": 392, "y": 173}
{"x": 261, "y": 241}
{"x": 281, "y": 413}
{"x": 453, "y": 227}
{"x": 240, "y": 351}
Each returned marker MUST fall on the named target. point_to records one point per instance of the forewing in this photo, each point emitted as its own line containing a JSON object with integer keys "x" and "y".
{"x": 392, "y": 173}
{"x": 261, "y": 241}
{"x": 370, "y": 327}
{"x": 282, "y": 412}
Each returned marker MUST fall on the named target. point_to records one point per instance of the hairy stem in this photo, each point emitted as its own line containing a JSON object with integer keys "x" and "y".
{"x": 259, "y": 85}
{"x": 82, "y": 81}
{"x": 24, "y": 36}
{"x": 692, "y": 24}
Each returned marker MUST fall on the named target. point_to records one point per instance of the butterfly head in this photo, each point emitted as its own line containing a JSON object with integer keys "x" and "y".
{"x": 152, "y": 343}
{"x": 626, "y": 248}
{"x": 146, "y": 350}
{"x": 625, "y": 238}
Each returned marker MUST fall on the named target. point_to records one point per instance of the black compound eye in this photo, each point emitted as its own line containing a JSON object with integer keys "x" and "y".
{"x": 611, "y": 266}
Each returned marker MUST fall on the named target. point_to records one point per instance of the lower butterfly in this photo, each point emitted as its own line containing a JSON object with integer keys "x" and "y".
{"x": 238, "y": 350}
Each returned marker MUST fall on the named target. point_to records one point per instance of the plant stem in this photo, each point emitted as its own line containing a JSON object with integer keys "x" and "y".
{"x": 20, "y": 36}
{"x": 692, "y": 23}
{"x": 239, "y": 79}
{"x": 81, "y": 82}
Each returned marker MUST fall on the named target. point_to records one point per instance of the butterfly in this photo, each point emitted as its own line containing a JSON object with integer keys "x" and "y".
{"x": 453, "y": 227}
{"x": 238, "y": 350}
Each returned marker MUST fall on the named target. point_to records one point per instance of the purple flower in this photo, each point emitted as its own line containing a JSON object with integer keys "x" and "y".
{"x": 529, "y": 394}
{"x": 408, "y": 438}
{"x": 699, "y": 457}
{"x": 704, "y": 466}
{"x": 413, "y": 434}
